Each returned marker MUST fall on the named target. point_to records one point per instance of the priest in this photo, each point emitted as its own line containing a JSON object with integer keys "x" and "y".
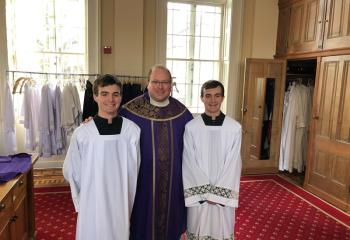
{"x": 101, "y": 167}
{"x": 159, "y": 210}
{"x": 211, "y": 168}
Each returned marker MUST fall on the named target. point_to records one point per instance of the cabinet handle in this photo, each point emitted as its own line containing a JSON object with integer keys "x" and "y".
{"x": 14, "y": 218}
{"x": 21, "y": 182}
{"x": 315, "y": 117}
{"x": 2, "y": 206}
{"x": 244, "y": 110}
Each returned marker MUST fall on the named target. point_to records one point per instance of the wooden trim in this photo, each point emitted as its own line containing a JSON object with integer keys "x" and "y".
{"x": 321, "y": 53}
{"x": 269, "y": 170}
{"x": 327, "y": 197}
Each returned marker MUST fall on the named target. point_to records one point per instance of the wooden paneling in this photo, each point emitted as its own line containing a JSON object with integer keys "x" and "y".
{"x": 329, "y": 165}
{"x": 313, "y": 26}
{"x": 282, "y": 31}
{"x": 337, "y": 25}
{"x": 303, "y": 27}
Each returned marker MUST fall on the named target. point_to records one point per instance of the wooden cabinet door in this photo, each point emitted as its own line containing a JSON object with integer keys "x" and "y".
{"x": 20, "y": 225}
{"x": 337, "y": 24}
{"x": 282, "y": 31}
{"x": 304, "y": 26}
{"x": 260, "y": 73}
{"x": 328, "y": 173}
{"x": 5, "y": 232}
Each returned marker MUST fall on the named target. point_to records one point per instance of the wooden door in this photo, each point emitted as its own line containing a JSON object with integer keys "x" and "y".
{"x": 259, "y": 73}
{"x": 304, "y": 26}
{"x": 328, "y": 172}
{"x": 337, "y": 24}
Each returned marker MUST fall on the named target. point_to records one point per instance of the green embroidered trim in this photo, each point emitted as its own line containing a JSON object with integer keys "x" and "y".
{"x": 219, "y": 191}
{"x": 192, "y": 236}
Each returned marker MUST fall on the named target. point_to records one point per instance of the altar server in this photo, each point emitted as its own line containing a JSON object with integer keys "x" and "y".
{"x": 102, "y": 165}
{"x": 211, "y": 168}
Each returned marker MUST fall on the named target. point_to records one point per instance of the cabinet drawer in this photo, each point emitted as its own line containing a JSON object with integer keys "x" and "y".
{"x": 19, "y": 190}
{"x": 6, "y": 210}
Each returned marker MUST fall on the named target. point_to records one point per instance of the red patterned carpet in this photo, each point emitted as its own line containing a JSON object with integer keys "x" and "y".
{"x": 55, "y": 218}
{"x": 269, "y": 208}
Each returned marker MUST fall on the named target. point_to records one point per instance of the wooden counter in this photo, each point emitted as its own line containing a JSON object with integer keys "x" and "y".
{"x": 17, "y": 220}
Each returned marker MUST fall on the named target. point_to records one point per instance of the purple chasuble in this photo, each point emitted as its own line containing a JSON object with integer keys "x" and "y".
{"x": 159, "y": 210}
{"x": 12, "y": 165}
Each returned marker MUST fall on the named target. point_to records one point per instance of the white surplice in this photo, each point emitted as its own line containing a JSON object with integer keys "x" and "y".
{"x": 10, "y": 144}
{"x": 102, "y": 173}
{"x": 211, "y": 172}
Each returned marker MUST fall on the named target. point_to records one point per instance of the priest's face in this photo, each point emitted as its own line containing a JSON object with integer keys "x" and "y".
{"x": 108, "y": 100}
{"x": 159, "y": 85}
{"x": 212, "y": 99}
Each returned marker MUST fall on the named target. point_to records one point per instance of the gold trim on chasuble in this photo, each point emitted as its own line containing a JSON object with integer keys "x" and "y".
{"x": 162, "y": 179}
{"x": 141, "y": 107}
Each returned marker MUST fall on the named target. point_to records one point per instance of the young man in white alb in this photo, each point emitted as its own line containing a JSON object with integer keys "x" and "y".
{"x": 102, "y": 165}
{"x": 211, "y": 168}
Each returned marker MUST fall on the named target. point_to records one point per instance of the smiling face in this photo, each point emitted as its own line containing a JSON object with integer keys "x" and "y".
{"x": 212, "y": 99}
{"x": 159, "y": 85}
{"x": 108, "y": 100}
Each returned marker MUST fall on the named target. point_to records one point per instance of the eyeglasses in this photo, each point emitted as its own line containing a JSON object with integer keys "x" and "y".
{"x": 155, "y": 82}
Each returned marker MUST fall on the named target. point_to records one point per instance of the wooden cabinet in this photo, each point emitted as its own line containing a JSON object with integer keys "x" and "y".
{"x": 15, "y": 213}
{"x": 336, "y": 24}
{"x": 17, "y": 208}
{"x": 328, "y": 172}
{"x": 312, "y": 25}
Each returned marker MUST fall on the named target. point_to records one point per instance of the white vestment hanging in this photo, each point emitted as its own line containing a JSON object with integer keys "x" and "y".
{"x": 102, "y": 173}
{"x": 211, "y": 172}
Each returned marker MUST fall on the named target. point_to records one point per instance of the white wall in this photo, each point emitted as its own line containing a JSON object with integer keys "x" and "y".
{"x": 265, "y": 28}
{"x": 3, "y": 68}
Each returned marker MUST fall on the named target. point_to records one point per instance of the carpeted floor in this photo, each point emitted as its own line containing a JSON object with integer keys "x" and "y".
{"x": 55, "y": 218}
{"x": 269, "y": 208}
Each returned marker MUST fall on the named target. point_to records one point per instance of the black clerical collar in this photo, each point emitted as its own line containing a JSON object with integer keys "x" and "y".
{"x": 105, "y": 128}
{"x": 218, "y": 121}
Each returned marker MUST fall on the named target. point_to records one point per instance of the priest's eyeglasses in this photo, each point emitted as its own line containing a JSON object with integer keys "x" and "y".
{"x": 160, "y": 83}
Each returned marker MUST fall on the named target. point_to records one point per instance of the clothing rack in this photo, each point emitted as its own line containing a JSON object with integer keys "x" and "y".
{"x": 124, "y": 78}
{"x": 13, "y": 72}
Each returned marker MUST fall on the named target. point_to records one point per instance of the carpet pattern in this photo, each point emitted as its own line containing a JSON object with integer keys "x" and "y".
{"x": 272, "y": 208}
{"x": 269, "y": 208}
{"x": 55, "y": 218}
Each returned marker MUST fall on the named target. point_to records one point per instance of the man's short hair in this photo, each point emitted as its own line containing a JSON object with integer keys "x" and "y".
{"x": 106, "y": 80}
{"x": 212, "y": 84}
{"x": 159, "y": 66}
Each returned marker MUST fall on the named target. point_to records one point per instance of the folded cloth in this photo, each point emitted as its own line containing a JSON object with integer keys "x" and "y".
{"x": 4, "y": 159}
{"x": 18, "y": 163}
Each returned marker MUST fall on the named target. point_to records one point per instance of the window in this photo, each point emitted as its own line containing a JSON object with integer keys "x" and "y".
{"x": 194, "y": 48}
{"x": 46, "y": 35}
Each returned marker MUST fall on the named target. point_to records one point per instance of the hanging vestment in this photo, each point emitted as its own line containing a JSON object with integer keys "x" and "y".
{"x": 211, "y": 172}
{"x": 30, "y": 112}
{"x": 10, "y": 144}
{"x": 159, "y": 210}
{"x": 90, "y": 107}
{"x": 102, "y": 172}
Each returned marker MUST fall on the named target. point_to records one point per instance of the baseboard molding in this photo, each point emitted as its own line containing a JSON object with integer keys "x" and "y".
{"x": 49, "y": 177}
